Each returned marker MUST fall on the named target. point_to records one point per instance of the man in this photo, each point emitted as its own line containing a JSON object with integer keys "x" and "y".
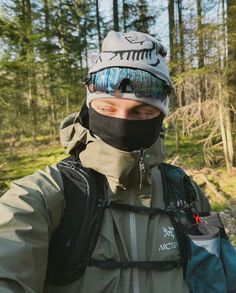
{"x": 118, "y": 135}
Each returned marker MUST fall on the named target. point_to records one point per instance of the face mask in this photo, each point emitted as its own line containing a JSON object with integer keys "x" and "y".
{"x": 123, "y": 134}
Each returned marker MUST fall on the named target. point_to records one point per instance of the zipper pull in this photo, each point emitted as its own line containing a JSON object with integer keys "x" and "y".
{"x": 197, "y": 218}
{"x": 141, "y": 168}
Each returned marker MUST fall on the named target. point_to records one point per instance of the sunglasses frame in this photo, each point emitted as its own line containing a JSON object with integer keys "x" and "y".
{"x": 92, "y": 87}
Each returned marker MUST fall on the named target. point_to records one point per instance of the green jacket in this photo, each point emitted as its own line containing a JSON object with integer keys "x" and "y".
{"x": 32, "y": 209}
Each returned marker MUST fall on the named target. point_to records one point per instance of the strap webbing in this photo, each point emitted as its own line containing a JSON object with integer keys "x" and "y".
{"x": 146, "y": 265}
{"x": 133, "y": 208}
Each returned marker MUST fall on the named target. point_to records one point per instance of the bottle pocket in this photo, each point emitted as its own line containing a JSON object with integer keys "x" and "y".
{"x": 205, "y": 270}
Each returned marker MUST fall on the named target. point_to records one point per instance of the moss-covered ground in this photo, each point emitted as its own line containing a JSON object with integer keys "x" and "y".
{"x": 26, "y": 160}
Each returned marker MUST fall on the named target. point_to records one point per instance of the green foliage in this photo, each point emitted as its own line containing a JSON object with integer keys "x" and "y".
{"x": 141, "y": 17}
{"x": 218, "y": 207}
{"x": 233, "y": 240}
{"x": 42, "y": 64}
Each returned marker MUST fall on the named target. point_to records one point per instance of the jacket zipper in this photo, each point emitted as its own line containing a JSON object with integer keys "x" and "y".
{"x": 141, "y": 168}
{"x": 134, "y": 248}
{"x": 133, "y": 226}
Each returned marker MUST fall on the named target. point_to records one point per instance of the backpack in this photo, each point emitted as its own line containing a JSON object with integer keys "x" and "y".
{"x": 69, "y": 252}
{"x": 211, "y": 266}
{"x": 72, "y": 244}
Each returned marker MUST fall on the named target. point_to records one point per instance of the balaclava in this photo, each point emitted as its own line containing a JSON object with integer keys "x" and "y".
{"x": 130, "y": 66}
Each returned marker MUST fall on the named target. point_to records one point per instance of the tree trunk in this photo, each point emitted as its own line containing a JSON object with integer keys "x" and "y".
{"x": 86, "y": 45}
{"x": 201, "y": 53}
{"x": 172, "y": 38}
{"x": 231, "y": 63}
{"x": 98, "y": 25}
{"x": 224, "y": 34}
{"x": 125, "y": 15}
{"x": 115, "y": 15}
{"x": 31, "y": 75}
{"x": 182, "y": 55}
{"x": 225, "y": 126}
{"x": 48, "y": 74}
{"x": 171, "y": 13}
{"x": 200, "y": 35}
{"x": 224, "y": 105}
{"x": 229, "y": 135}
{"x": 144, "y": 18}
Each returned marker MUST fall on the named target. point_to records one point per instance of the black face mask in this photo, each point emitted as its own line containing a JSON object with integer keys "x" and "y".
{"x": 124, "y": 134}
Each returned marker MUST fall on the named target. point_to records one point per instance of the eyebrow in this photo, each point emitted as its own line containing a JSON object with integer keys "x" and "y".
{"x": 137, "y": 106}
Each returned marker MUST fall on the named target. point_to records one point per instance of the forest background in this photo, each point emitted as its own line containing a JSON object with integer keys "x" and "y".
{"x": 46, "y": 47}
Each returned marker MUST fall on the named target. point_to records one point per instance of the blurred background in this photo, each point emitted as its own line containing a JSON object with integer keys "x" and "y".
{"x": 46, "y": 47}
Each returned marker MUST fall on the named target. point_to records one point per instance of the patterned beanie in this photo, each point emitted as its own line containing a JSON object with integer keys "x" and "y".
{"x": 137, "y": 52}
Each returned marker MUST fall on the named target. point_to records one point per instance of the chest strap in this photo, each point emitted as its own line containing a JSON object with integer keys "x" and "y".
{"x": 103, "y": 204}
{"x": 110, "y": 264}
{"x": 166, "y": 265}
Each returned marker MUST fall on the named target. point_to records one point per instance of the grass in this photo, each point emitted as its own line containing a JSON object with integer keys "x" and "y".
{"x": 190, "y": 156}
{"x": 190, "y": 152}
{"x": 27, "y": 160}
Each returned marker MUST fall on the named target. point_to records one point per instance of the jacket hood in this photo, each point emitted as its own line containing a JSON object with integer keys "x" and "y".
{"x": 122, "y": 169}
{"x": 74, "y": 132}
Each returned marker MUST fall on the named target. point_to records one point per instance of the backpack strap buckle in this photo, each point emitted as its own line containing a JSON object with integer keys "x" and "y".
{"x": 103, "y": 204}
{"x": 193, "y": 211}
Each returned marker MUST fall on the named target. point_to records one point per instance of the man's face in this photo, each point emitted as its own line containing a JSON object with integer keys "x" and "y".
{"x": 125, "y": 109}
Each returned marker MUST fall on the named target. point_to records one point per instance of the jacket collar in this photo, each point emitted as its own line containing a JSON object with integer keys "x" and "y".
{"x": 123, "y": 170}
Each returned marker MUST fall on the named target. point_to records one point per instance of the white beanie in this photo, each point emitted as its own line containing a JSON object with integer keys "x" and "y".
{"x": 133, "y": 50}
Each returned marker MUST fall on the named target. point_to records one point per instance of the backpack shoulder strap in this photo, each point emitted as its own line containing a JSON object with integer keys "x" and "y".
{"x": 182, "y": 194}
{"x": 181, "y": 189}
{"x": 177, "y": 185}
{"x": 178, "y": 193}
{"x": 80, "y": 224}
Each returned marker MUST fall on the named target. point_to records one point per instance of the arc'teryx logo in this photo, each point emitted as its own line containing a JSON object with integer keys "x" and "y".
{"x": 168, "y": 232}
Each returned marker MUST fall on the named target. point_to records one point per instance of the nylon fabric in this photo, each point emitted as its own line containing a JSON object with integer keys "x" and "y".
{"x": 119, "y": 166}
{"x": 33, "y": 208}
{"x": 205, "y": 252}
{"x": 228, "y": 253}
{"x": 125, "y": 134}
{"x": 115, "y": 243}
{"x": 211, "y": 267}
{"x": 30, "y": 211}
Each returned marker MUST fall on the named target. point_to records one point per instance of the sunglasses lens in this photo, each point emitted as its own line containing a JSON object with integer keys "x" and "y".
{"x": 127, "y": 80}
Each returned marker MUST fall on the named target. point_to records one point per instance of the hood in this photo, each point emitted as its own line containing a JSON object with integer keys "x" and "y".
{"x": 123, "y": 170}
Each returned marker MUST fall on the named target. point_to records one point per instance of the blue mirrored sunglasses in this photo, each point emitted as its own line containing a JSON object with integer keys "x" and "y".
{"x": 128, "y": 80}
